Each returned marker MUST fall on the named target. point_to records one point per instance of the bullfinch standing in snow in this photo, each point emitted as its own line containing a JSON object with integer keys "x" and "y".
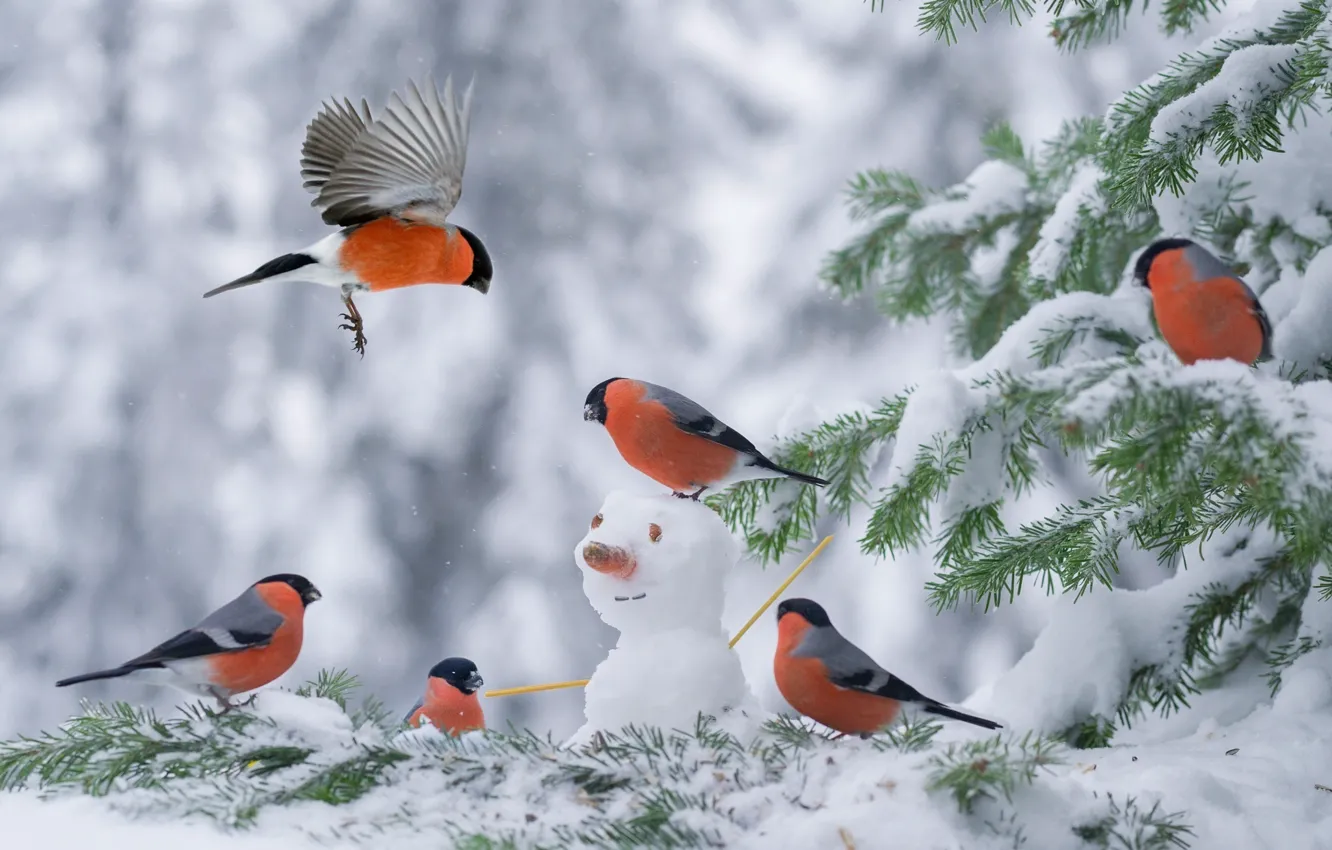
{"x": 674, "y": 441}
{"x": 829, "y": 679}
{"x": 243, "y": 645}
{"x": 388, "y": 184}
{"x": 1204, "y": 311}
{"x": 450, "y": 702}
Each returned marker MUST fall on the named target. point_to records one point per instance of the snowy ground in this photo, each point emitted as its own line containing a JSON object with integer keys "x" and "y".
{"x": 1254, "y": 783}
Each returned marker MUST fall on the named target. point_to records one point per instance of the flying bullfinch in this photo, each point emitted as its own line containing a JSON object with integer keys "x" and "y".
{"x": 829, "y": 679}
{"x": 388, "y": 184}
{"x": 674, "y": 441}
{"x": 1204, "y": 311}
{"x": 450, "y": 702}
{"x": 243, "y": 645}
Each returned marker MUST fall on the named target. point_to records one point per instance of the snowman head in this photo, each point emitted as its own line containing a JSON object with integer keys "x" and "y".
{"x": 652, "y": 563}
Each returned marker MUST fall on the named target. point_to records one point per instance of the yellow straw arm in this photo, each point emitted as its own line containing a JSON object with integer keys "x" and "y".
{"x": 531, "y": 689}
{"x": 780, "y": 588}
{"x": 555, "y": 686}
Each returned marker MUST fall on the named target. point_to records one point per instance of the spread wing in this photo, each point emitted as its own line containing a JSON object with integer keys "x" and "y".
{"x": 332, "y": 133}
{"x": 245, "y": 622}
{"x": 409, "y": 161}
{"x": 692, "y": 417}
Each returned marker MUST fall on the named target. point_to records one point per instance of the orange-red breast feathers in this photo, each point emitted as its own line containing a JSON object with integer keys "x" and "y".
{"x": 448, "y": 709}
{"x": 1203, "y": 311}
{"x": 253, "y": 668}
{"x": 804, "y": 683}
{"x": 646, "y": 435}
{"x": 388, "y": 254}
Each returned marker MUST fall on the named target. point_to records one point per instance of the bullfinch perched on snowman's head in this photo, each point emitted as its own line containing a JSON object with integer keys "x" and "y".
{"x": 388, "y": 184}
{"x": 1204, "y": 310}
{"x": 675, "y": 441}
{"x": 828, "y": 679}
{"x": 450, "y": 703}
{"x": 243, "y": 645}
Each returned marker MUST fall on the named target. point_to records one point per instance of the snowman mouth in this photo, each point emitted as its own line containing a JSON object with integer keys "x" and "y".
{"x": 629, "y": 598}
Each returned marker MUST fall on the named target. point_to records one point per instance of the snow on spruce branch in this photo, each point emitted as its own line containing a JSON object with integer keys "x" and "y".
{"x": 1237, "y": 94}
{"x": 643, "y": 786}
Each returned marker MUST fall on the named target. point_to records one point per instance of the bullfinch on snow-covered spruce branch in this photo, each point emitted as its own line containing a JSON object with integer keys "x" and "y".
{"x": 827, "y": 678}
{"x": 674, "y": 441}
{"x": 1204, "y": 311}
{"x": 243, "y": 645}
{"x": 450, "y": 703}
{"x": 389, "y": 184}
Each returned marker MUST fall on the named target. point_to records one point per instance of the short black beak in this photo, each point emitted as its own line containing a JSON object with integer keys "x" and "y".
{"x": 474, "y": 682}
{"x": 481, "y": 285}
{"x": 313, "y": 595}
{"x": 589, "y": 413}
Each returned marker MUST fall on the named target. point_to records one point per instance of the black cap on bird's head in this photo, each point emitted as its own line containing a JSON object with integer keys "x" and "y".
{"x": 807, "y": 608}
{"x": 482, "y": 269}
{"x": 309, "y": 593}
{"x": 594, "y": 408}
{"x": 1151, "y": 252}
{"x": 459, "y": 672}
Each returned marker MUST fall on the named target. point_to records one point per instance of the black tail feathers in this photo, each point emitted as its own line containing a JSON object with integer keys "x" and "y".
{"x": 113, "y": 673}
{"x": 272, "y": 268}
{"x": 945, "y": 711}
{"x": 790, "y": 473}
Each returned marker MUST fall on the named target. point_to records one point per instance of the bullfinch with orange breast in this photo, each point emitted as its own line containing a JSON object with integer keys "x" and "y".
{"x": 829, "y": 679}
{"x": 389, "y": 184}
{"x": 450, "y": 702}
{"x": 675, "y": 442}
{"x": 1204, "y": 311}
{"x": 243, "y": 645}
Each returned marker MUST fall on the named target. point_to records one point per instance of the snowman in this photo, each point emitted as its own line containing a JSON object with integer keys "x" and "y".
{"x": 654, "y": 568}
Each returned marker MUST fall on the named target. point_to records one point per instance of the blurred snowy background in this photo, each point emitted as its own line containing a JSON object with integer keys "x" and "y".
{"x": 657, "y": 183}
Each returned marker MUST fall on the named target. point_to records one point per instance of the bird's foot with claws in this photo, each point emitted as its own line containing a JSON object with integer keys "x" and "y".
{"x": 691, "y": 496}
{"x": 355, "y": 325}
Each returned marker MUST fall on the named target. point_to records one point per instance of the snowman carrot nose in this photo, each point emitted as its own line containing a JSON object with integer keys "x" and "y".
{"x": 611, "y": 560}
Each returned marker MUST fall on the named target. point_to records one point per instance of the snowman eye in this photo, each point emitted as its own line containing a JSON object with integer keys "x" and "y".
{"x": 654, "y": 532}
{"x": 596, "y": 521}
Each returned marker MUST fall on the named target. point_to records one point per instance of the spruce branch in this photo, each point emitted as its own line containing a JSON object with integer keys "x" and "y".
{"x": 1087, "y": 23}
{"x": 941, "y": 17}
{"x": 1126, "y": 826}
{"x": 990, "y": 768}
{"x": 1142, "y": 168}
{"x": 1280, "y": 658}
{"x": 909, "y": 736}
{"x": 1070, "y": 551}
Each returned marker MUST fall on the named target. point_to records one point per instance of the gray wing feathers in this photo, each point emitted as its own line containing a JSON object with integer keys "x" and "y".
{"x": 247, "y": 618}
{"x": 408, "y": 717}
{"x": 332, "y": 133}
{"x": 1207, "y": 266}
{"x": 843, "y": 658}
{"x": 413, "y": 155}
{"x": 685, "y": 410}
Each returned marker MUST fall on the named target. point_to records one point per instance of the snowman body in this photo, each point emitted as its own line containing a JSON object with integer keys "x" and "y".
{"x": 654, "y": 568}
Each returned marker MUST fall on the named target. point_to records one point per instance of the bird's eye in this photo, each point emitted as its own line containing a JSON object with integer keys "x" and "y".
{"x": 654, "y": 532}
{"x": 596, "y": 521}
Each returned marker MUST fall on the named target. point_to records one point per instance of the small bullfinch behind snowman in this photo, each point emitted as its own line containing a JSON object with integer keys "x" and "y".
{"x": 654, "y": 568}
